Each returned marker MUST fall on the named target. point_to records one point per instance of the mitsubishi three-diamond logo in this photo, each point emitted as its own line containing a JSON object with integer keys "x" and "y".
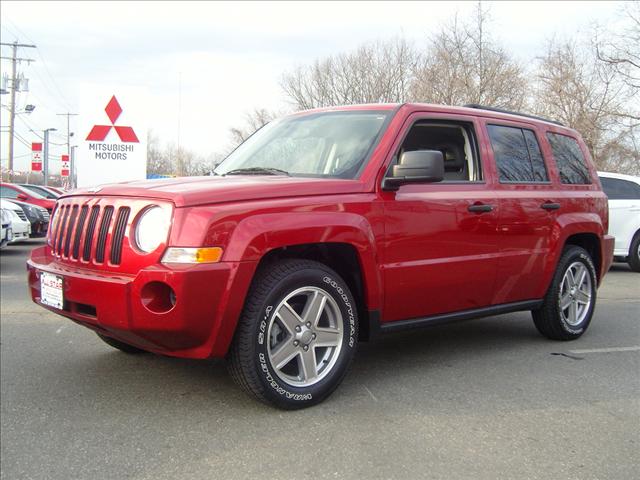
{"x": 99, "y": 132}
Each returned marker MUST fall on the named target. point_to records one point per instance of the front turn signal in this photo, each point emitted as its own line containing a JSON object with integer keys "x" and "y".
{"x": 192, "y": 255}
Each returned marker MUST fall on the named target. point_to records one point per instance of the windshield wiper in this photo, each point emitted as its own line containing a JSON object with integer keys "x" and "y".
{"x": 257, "y": 171}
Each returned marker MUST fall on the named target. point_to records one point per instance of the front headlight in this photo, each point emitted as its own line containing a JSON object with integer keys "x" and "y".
{"x": 152, "y": 228}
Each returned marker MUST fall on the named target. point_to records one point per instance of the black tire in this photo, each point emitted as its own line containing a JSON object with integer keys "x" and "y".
{"x": 249, "y": 359}
{"x": 634, "y": 253}
{"x": 550, "y": 319}
{"x": 123, "y": 347}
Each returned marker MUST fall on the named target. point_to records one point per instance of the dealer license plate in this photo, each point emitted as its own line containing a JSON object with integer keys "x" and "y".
{"x": 51, "y": 290}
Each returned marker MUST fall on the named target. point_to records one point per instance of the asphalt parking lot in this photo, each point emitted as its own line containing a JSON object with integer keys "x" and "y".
{"x": 489, "y": 398}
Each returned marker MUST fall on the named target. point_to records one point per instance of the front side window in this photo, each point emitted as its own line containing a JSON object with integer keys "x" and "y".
{"x": 617, "y": 189}
{"x": 569, "y": 159}
{"x": 517, "y": 154}
{"x": 455, "y": 140}
{"x": 326, "y": 144}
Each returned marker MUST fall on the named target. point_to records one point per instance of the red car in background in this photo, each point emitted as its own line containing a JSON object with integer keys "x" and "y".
{"x": 57, "y": 190}
{"x": 16, "y": 192}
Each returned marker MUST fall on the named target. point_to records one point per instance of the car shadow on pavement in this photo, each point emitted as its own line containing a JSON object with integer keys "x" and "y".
{"x": 175, "y": 384}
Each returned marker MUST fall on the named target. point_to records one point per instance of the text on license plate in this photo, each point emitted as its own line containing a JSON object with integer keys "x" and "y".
{"x": 51, "y": 290}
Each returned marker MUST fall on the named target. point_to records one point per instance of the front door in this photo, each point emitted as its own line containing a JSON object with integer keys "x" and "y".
{"x": 441, "y": 239}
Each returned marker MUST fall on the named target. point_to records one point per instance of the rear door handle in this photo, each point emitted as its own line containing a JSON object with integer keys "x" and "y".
{"x": 480, "y": 208}
{"x": 550, "y": 206}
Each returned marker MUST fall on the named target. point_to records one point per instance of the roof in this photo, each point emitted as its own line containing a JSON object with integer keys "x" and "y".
{"x": 476, "y": 110}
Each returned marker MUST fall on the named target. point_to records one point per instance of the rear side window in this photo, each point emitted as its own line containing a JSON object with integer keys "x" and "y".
{"x": 569, "y": 158}
{"x": 517, "y": 153}
{"x": 7, "y": 192}
{"x": 617, "y": 189}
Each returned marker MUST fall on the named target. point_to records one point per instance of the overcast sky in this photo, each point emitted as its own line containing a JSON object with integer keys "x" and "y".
{"x": 205, "y": 65}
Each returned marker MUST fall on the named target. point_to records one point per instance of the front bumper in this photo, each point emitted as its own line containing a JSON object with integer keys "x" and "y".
{"x": 208, "y": 301}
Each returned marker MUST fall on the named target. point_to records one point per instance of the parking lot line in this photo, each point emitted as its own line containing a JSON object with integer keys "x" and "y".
{"x": 607, "y": 350}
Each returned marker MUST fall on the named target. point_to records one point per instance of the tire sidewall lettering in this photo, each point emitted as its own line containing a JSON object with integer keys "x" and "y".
{"x": 265, "y": 369}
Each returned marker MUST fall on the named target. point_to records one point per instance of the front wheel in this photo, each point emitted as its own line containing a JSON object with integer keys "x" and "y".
{"x": 297, "y": 335}
{"x": 569, "y": 303}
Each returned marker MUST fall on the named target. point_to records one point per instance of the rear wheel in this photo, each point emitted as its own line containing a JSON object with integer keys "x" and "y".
{"x": 569, "y": 303}
{"x": 634, "y": 253}
{"x": 297, "y": 335}
{"x": 123, "y": 347}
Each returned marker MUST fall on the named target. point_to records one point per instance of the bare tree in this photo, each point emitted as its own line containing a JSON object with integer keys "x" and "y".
{"x": 463, "y": 64}
{"x": 254, "y": 120}
{"x": 581, "y": 91}
{"x": 376, "y": 72}
{"x": 621, "y": 49}
{"x": 158, "y": 162}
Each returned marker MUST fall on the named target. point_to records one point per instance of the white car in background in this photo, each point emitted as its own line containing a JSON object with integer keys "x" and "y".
{"x": 624, "y": 215}
{"x": 6, "y": 233}
{"x": 20, "y": 226}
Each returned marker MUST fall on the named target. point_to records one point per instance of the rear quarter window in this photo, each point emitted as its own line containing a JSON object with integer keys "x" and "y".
{"x": 617, "y": 189}
{"x": 569, "y": 158}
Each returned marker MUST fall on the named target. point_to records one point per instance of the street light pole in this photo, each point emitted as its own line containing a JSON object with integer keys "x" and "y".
{"x": 45, "y": 155}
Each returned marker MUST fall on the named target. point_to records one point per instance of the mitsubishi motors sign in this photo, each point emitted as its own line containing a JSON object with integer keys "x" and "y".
{"x": 113, "y": 136}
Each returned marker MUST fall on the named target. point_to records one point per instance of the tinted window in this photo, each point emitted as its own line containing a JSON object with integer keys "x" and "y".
{"x": 517, "y": 154}
{"x": 7, "y": 192}
{"x": 537, "y": 162}
{"x": 569, "y": 158}
{"x": 617, "y": 189}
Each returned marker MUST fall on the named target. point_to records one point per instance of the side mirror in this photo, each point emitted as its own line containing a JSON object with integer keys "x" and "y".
{"x": 419, "y": 166}
{"x": 22, "y": 196}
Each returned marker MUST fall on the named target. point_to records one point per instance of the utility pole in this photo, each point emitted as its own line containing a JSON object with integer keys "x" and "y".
{"x": 14, "y": 82}
{"x": 71, "y": 162}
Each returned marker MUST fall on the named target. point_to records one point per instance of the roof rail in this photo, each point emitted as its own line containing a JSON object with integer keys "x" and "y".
{"x": 500, "y": 110}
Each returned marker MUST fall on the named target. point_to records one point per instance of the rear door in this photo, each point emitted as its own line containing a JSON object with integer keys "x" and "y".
{"x": 528, "y": 205}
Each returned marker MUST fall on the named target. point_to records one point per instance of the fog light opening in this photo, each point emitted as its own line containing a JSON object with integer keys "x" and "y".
{"x": 158, "y": 297}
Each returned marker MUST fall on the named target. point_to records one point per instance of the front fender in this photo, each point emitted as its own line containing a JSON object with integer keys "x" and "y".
{"x": 257, "y": 235}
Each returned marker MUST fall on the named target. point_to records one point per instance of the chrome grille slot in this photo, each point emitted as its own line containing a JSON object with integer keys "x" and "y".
{"x": 88, "y": 238}
{"x": 118, "y": 234}
{"x": 69, "y": 234}
{"x": 21, "y": 214}
{"x": 60, "y": 233}
{"x": 102, "y": 233}
{"x": 79, "y": 230}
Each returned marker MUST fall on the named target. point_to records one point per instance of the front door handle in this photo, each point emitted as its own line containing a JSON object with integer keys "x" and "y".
{"x": 550, "y": 206}
{"x": 480, "y": 208}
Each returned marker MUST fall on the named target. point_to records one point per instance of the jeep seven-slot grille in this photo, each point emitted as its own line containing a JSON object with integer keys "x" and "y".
{"x": 75, "y": 228}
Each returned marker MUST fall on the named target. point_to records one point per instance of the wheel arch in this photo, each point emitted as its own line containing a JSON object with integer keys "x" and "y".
{"x": 343, "y": 258}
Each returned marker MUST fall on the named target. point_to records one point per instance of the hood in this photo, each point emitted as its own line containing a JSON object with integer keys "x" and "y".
{"x": 9, "y": 205}
{"x": 190, "y": 191}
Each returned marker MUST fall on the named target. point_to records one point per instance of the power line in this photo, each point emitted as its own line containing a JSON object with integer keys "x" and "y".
{"x": 14, "y": 86}
{"x": 44, "y": 63}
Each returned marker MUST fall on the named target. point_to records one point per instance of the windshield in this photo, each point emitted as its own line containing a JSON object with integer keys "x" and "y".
{"x": 327, "y": 144}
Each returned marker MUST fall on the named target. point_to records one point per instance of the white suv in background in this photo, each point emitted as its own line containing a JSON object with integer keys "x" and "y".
{"x": 20, "y": 226}
{"x": 624, "y": 215}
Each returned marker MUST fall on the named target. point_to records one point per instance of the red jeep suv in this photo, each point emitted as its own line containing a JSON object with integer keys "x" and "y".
{"x": 330, "y": 227}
